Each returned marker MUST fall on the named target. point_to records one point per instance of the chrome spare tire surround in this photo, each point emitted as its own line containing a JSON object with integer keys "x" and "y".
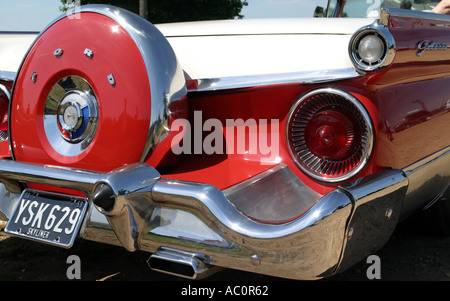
{"x": 165, "y": 75}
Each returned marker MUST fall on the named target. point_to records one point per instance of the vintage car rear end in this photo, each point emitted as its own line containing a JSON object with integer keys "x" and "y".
{"x": 289, "y": 148}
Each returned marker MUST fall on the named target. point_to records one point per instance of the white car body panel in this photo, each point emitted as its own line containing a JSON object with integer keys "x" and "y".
{"x": 217, "y": 49}
{"x": 13, "y": 48}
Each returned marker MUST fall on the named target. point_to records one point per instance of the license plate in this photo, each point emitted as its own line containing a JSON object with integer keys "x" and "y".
{"x": 47, "y": 217}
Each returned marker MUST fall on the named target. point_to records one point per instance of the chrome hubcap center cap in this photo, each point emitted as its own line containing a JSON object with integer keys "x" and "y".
{"x": 75, "y": 113}
{"x": 70, "y": 116}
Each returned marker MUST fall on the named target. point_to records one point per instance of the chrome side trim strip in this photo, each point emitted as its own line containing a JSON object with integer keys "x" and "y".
{"x": 305, "y": 77}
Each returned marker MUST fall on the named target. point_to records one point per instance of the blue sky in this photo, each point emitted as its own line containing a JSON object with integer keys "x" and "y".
{"x": 36, "y": 14}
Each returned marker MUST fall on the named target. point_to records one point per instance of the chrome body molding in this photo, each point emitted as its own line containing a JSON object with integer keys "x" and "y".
{"x": 304, "y": 77}
{"x": 169, "y": 218}
{"x": 158, "y": 57}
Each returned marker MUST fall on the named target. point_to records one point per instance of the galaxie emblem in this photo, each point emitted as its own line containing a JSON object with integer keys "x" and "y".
{"x": 429, "y": 45}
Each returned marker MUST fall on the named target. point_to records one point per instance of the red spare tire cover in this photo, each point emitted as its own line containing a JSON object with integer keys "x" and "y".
{"x": 94, "y": 91}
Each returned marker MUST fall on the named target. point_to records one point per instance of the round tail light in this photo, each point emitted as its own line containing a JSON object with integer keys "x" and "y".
{"x": 330, "y": 135}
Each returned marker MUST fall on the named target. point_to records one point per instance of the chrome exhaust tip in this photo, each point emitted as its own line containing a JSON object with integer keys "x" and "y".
{"x": 182, "y": 264}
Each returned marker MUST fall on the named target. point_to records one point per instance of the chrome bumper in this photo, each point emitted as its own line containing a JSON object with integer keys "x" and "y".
{"x": 135, "y": 207}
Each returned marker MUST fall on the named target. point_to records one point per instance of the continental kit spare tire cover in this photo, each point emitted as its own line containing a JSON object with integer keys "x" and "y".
{"x": 95, "y": 92}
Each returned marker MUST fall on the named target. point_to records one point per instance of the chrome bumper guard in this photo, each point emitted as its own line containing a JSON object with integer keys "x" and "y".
{"x": 200, "y": 226}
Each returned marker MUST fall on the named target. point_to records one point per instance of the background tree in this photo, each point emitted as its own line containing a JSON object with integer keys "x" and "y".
{"x": 165, "y": 11}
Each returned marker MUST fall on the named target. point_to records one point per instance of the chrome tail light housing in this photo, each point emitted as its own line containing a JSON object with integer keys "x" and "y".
{"x": 372, "y": 48}
{"x": 330, "y": 135}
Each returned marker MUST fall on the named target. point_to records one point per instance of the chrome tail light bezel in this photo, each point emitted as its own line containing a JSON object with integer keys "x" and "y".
{"x": 317, "y": 169}
{"x": 383, "y": 33}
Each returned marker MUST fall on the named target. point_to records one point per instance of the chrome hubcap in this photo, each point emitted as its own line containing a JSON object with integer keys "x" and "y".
{"x": 71, "y": 116}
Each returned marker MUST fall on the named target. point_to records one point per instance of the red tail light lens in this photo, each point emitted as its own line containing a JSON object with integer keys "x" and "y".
{"x": 330, "y": 135}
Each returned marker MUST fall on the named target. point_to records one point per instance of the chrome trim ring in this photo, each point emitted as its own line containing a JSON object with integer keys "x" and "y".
{"x": 71, "y": 116}
{"x": 321, "y": 168}
{"x": 251, "y": 81}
